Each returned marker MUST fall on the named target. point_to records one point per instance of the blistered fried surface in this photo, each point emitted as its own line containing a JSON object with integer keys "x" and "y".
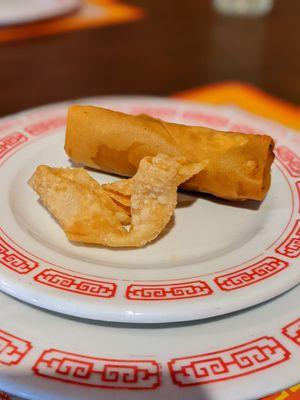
{"x": 120, "y": 191}
{"x": 238, "y": 168}
{"x": 154, "y": 195}
{"x": 80, "y": 211}
{"x": 84, "y": 209}
{"x": 81, "y": 176}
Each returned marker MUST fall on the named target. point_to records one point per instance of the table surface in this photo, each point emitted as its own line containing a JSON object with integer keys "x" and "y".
{"x": 176, "y": 46}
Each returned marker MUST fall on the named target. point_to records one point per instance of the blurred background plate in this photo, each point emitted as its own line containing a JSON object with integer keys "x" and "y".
{"x": 14, "y": 12}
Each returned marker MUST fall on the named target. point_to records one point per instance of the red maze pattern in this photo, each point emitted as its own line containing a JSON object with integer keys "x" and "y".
{"x": 292, "y": 331}
{"x": 11, "y": 141}
{"x": 175, "y": 291}
{"x": 291, "y": 246}
{"x": 252, "y": 274}
{"x": 76, "y": 284}
{"x": 12, "y": 348}
{"x": 250, "y": 357}
{"x": 14, "y": 259}
{"x": 289, "y": 159}
{"x": 98, "y": 372}
{"x": 45, "y": 126}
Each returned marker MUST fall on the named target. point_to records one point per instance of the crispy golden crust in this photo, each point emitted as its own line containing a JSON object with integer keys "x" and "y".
{"x": 87, "y": 213}
{"x": 120, "y": 191}
{"x": 238, "y": 165}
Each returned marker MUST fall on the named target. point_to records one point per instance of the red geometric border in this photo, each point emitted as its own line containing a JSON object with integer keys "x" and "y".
{"x": 11, "y": 141}
{"x": 292, "y": 331}
{"x": 251, "y": 274}
{"x": 14, "y": 259}
{"x": 12, "y": 348}
{"x": 76, "y": 284}
{"x": 289, "y": 159}
{"x": 175, "y": 291}
{"x": 42, "y": 127}
{"x": 290, "y": 247}
{"x": 229, "y": 363}
{"x": 98, "y": 372}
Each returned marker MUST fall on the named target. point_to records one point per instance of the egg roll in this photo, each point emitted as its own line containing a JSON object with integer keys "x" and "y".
{"x": 237, "y": 165}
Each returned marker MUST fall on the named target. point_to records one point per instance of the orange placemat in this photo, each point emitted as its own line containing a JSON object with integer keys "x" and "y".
{"x": 248, "y": 97}
{"x": 93, "y": 13}
{"x": 293, "y": 393}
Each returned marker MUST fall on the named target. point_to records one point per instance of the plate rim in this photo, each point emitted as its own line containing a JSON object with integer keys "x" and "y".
{"x": 131, "y": 318}
{"x": 33, "y": 352}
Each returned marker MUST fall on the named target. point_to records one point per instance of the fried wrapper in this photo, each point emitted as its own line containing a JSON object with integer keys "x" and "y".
{"x": 239, "y": 164}
{"x": 85, "y": 211}
{"x": 81, "y": 176}
{"x": 120, "y": 191}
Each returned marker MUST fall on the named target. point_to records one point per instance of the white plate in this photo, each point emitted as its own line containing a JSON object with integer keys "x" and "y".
{"x": 25, "y": 11}
{"x": 218, "y": 257}
{"x": 238, "y": 357}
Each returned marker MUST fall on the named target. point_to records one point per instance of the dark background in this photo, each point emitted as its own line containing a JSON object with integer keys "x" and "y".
{"x": 178, "y": 45}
